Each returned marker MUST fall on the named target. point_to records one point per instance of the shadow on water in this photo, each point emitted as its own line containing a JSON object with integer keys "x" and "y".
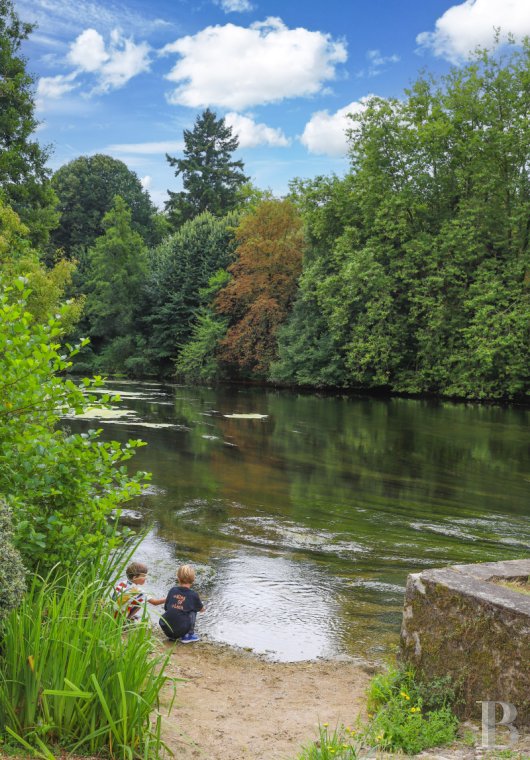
{"x": 304, "y": 521}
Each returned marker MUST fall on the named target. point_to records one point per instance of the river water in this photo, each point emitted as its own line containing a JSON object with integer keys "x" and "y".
{"x": 304, "y": 519}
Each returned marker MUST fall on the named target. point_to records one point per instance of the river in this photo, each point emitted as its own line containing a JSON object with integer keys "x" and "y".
{"x": 304, "y": 519}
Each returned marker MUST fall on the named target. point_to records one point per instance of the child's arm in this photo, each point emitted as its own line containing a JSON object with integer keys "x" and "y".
{"x": 157, "y": 601}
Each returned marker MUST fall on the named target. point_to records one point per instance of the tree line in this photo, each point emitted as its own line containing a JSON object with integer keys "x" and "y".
{"x": 408, "y": 274}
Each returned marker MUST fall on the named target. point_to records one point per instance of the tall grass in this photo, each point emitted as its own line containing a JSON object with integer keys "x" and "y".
{"x": 72, "y": 676}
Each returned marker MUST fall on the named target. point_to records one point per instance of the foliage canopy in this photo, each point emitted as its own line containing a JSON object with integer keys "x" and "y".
{"x": 24, "y": 178}
{"x": 86, "y": 188}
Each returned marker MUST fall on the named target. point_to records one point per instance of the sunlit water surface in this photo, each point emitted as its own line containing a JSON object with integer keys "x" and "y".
{"x": 304, "y": 520}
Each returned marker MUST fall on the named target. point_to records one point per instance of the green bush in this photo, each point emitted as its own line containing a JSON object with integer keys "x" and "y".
{"x": 61, "y": 487}
{"x": 12, "y": 574}
{"x": 408, "y": 714}
{"x": 72, "y": 678}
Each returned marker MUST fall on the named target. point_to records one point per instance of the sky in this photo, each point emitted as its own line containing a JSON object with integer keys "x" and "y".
{"x": 126, "y": 77}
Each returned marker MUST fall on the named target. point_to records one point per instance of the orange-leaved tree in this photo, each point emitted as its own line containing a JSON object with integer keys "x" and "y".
{"x": 264, "y": 280}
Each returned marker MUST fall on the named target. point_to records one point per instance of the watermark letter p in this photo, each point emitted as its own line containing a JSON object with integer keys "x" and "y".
{"x": 509, "y": 714}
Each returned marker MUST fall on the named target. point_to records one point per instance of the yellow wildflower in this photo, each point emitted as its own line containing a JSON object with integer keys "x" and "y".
{"x": 404, "y": 694}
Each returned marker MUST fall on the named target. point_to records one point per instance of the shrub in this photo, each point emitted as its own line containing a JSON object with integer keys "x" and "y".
{"x": 409, "y": 715}
{"x": 61, "y": 487}
{"x": 12, "y": 575}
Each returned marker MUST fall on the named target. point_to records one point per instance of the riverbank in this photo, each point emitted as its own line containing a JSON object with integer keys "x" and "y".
{"x": 234, "y": 704}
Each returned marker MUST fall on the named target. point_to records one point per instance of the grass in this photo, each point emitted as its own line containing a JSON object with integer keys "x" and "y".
{"x": 72, "y": 676}
{"x": 337, "y": 744}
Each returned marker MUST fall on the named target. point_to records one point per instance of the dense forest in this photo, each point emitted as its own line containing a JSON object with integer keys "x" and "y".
{"x": 409, "y": 274}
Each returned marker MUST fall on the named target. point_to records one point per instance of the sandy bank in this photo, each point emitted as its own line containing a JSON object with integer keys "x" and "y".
{"x": 235, "y": 705}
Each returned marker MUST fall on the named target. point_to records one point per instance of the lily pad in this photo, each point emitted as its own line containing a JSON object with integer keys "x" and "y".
{"x": 250, "y": 416}
{"x": 97, "y": 413}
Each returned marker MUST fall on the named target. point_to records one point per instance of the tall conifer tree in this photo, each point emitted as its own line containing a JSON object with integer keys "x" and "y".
{"x": 210, "y": 177}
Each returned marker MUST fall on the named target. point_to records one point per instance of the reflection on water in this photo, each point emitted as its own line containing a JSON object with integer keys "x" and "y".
{"x": 304, "y": 515}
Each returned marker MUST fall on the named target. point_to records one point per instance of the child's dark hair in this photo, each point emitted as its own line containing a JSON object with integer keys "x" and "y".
{"x": 135, "y": 569}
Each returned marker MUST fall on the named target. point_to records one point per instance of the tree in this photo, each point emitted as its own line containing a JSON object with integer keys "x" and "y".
{"x": 62, "y": 487}
{"x": 418, "y": 263}
{"x": 24, "y": 178}
{"x": 86, "y": 188}
{"x": 210, "y": 177}
{"x": 264, "y": 279}
{"x": 198, "y": 360}
{"x": 180, "y": 268}
{"x": 116, "y": 274}
{"x": 46, "y": 285}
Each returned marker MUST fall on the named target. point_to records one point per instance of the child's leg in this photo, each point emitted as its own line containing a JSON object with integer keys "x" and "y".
{"x": 167, "y": 629}
{"x": 193, "y": 618}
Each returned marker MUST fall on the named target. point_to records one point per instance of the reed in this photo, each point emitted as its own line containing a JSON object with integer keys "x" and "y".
{"x": 73, "y": 676}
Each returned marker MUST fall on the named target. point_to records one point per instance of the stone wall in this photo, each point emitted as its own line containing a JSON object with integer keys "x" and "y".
{"x": 457, "y": 621}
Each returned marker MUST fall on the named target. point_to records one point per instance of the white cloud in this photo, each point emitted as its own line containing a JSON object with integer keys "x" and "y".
{"x": 325, "y": 133}
{"x": 238, "y": 67}
{"x": 63, "y": 18}
{"x": 115, "y": 64}
{"x": 472, "y": 23}
{"x": 88, "y": 51}
{"x": 251, "y": 134}
{"x": 377, "y": 62}
{"x": 236, "y": 6}
{"x": 52, "y": 88}
{"x": 147, "y": 148}
{"x": 146, "y": 182}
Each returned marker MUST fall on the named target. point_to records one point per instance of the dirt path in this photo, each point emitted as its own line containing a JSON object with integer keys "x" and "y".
{"x": 235, "y": 706}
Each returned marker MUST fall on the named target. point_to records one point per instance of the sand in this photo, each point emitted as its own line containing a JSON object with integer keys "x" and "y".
{"x": 234, "y": 705}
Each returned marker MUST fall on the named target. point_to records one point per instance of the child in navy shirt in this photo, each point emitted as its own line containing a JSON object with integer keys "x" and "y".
{"x": 181, "y": 607}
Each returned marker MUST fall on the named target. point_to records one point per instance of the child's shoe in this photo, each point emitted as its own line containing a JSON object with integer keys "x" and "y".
{"x": 189, "y": 638}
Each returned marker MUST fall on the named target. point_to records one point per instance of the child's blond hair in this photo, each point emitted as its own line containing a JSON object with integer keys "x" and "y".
{"x": 186, "y": 574}
{"x": 135, "y": 569}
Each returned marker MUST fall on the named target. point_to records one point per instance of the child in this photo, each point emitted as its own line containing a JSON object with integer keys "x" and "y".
{"x": 128, "y": 595}
{"x": 181, "y": 607}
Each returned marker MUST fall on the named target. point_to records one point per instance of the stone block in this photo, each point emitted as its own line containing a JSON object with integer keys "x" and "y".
{"x": 458, "y": 621}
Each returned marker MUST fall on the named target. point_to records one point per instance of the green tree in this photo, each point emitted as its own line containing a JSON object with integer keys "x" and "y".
{"x": 198, "y": 359}
{"x": 47, "y": 285}
{"x": 418, "y": 263}
{"x": 210, "y": 177}
{"x": 117, "y": 270}
{"x": 180, "y": 268}
{"x": 61, "y": 486}
{"x": 86, "y": 188}
{"x": 24, "y": 178}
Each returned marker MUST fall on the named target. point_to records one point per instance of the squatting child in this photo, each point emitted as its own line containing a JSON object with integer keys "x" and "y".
{"x": 129, "y": 597}
{"x": 181, "y": 607}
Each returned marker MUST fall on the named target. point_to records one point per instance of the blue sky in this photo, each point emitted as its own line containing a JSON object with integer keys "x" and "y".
{"x": 125, "y": 77}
